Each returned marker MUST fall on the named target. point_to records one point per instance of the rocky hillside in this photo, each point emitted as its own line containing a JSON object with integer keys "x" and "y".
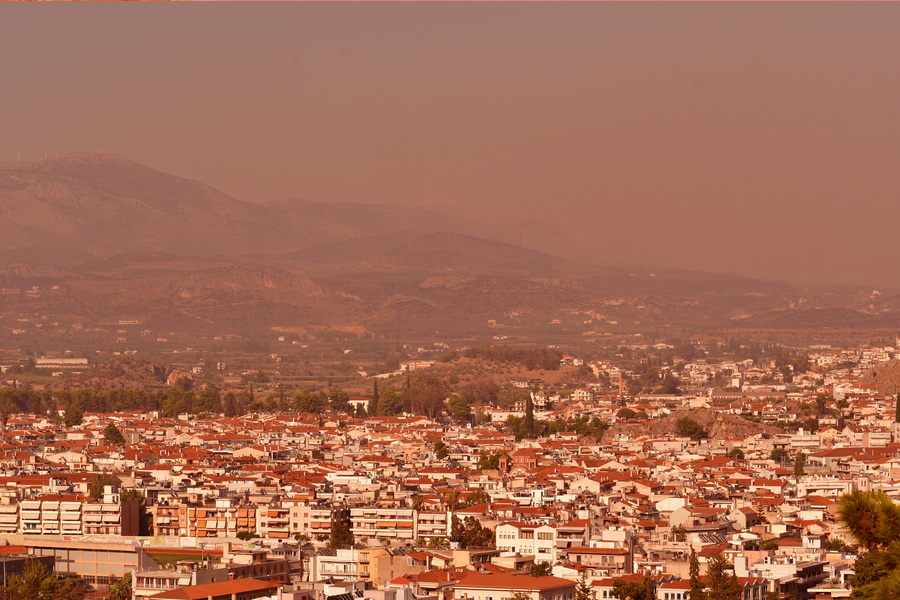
{"x": 122, "y": 373}
{"x": 884, "y": 377}
{"x": 716, "y": 424}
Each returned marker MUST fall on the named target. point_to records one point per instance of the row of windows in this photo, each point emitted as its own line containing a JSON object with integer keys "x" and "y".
{"x": 568, "y": 596}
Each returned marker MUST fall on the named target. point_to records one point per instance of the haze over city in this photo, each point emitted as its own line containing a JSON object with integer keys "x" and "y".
{"x": 750, "y": 138}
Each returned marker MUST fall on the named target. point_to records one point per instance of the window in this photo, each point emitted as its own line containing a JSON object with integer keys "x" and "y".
{"x": 527, "y": 535}
{"x": 545, "y": 535}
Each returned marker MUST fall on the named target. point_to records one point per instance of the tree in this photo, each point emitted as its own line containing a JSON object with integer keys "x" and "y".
{"x": 780, "y": 455}
{"x": 70, "y": 588}
{"x": 625, "y": 413}
{"x": 688, "y": 427}
{"x": 633, "y": 590}
{"x": 488, "y": 462}
{"x": 670, "y": 384}
{"x": 541, "y": 569}
{"x": 583, "y": 591}
{"x": 459, "y": 409}
{"x": 735, "y": 454}
{"x": 246, "y": 535}
{"x": 870, "y": 517}
{"x": 799, "y": 462}
{"x": 440, "y": 450}
{"x": 722, "y": 584}
{"x": 390, "y": 403}
{"x": 73, "y": 416}
{"x": 308, "y": 402}
{"x": 426, "y": 396}
{"x": 873, "y": 520}
{"x": 112, "y": 435}
{"x": 821, "y": 404}
{"x": 341, "y": 535}
{"x": 339, "y": 399}
{"x": 897, "y": 410}
{"x": 121, "y": 589}
{"x": 696, "y": 587}
{"x": 470, "y": 533}
{"x": 229, "y": 405}
{"x": 373, "y": 403}
{"x": 528, "y": 422}
{"x": 479, "y": 496}
{"x": 99, "y": 484}
{"x": 484, "y": 390}
{"x": 37, "y": 583}
{"x": 208, "y": 401}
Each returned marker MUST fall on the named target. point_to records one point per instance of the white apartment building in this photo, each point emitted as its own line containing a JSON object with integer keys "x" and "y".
{"x": 528, "y": 539}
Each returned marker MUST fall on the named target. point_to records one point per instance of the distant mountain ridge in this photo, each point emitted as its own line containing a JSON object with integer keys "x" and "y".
{"x": 75, "y": 207}
{"x": 93, "y": 238}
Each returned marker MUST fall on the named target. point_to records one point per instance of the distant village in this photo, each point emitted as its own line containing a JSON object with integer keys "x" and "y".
{"x": 340, "y": 505}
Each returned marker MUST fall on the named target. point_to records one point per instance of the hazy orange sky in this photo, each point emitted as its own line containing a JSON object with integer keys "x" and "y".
{"x": 759, "y": 138}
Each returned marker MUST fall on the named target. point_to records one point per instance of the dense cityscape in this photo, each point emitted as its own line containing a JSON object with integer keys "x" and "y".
{"x": 564, "y": 477}
{"x": 449, "y": 301}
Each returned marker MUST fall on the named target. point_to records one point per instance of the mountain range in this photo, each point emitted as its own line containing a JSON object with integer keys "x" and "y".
{"x": 92, "y": 238}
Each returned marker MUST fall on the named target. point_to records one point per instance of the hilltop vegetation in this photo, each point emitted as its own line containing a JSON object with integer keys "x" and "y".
{"x": 716, "y": 425}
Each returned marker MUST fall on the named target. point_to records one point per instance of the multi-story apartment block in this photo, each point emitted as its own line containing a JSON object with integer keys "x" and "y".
{"x": 274, "y": 521}
{"x": 340, "y": 564}
{"x": 528, "y": 539}
{"x": 371, "y": 522}
{"x": 168, "y": 519}
{"x": 222, "y": 517}
{"x": 226, "y": 517}
{"x": 109, "y": 516}
{"x": 312, "y": 520}
{"x": 9, "y": 518}
{"x": 432, "y": 524}
{"x": 74, "y": 515}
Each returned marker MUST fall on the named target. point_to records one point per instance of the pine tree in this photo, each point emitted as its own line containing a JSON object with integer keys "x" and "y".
{"x": 722, "y": 585}
{"x": 583, "y": 591}
{"x": 696, "y": 587}
{"x": 112, "y": 435}
{"x": 121, "y": 589}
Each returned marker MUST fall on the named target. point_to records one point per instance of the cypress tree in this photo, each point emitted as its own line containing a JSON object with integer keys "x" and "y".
{"x": 528, "y": 423}
{"x": 373, "y": 405}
